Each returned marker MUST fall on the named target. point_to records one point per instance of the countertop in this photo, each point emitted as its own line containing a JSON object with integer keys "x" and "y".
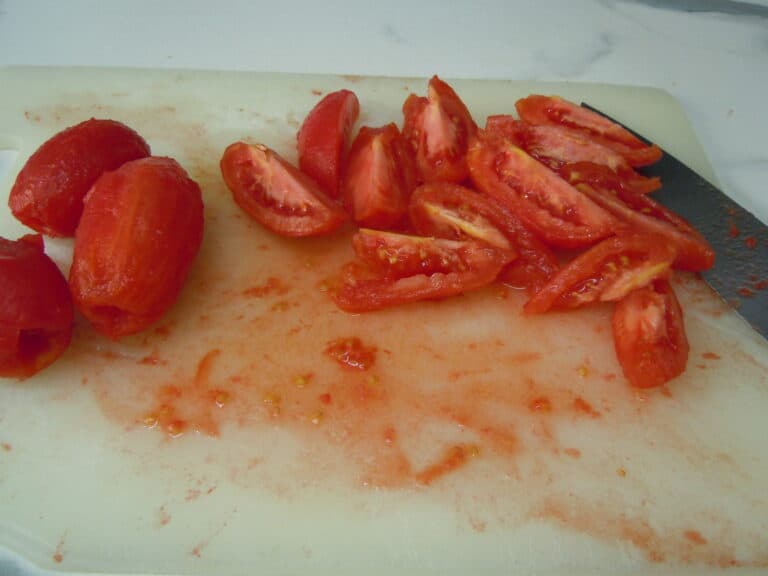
{"x": 712, "y": 55}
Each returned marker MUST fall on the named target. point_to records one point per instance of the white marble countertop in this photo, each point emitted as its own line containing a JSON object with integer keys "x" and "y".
{"x": 712, "y": 55}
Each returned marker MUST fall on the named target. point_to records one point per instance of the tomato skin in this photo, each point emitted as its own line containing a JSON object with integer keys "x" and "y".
{"x": 456, "y": 212}
{"x": 324, "y": 136}
{"x": 649, "y": 335}
{"x": 601, "y": 177}
{"x": 605, "y": 273}
{"x": 538, "y": 109}
{"x": 277, "y": 194}
{"x": 438, "y": 129}
{"x": 553, "y": 209}
{"x": 48, "y": 193}
{"x": 36, "y": 314}
{"x": 141, "y": 229}
{"x": 380, "y": 177}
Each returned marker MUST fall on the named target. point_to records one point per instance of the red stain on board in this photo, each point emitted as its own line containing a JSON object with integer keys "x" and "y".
{"x": 6, "y": 446}
{"x": 733, "y": 230}
{"x": 272, "y": 286}
{"x": 58, "y": 553}
{"x": 761, "y": 285}
{"x": 710, "y": 356}
{"x": 750, "y": 242}
{"x": 351, "y": 353}
{"x": 583, "y": 407}
{"x": 317, "y": 92}
{"x": 163, "y": 516}
{"x": 695, "y": 537}
{"x": 454, "y": 458}
{"x": 745, "y": 292}
{"x": 574, "y": 453}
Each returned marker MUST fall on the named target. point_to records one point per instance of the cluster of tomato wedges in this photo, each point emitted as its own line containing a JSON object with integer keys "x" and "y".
{"x": 550, "y": 202}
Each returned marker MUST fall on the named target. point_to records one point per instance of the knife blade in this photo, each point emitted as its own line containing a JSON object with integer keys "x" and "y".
{"x": 739, "y": 238}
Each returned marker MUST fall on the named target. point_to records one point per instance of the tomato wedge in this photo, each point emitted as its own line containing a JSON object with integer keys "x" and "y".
{"x": 277, "y": 194}
{"x": 649, "y": 335}
{"x": 606, "y": 272}
{"x": 399, "y": 269}
{"x": 538, "y": 109}
{"x": 48, "y": 193}
{"x": 602, "y": 177}
{"x": 400, "y": 255}
{"x": 438, "y": 129}
{"x": 456, "y": 212}
{"x": 36, "y": 313}
{"x": 324, "y": 136}
{"x": 558, "y": 213}
{"x": 380, "y": 177}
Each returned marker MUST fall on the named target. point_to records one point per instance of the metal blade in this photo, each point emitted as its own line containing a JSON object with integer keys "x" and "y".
{"x": 740, "y": 240}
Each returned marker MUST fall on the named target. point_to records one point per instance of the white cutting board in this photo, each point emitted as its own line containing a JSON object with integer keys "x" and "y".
{"x": 567, "y": 470}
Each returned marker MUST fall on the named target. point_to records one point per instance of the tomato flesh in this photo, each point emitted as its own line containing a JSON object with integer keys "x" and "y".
{"x": 140, "y": 231}
{"x": 606, "y": 272}
{"x": 380, "y": 177}
{"x": 558, "y": 213}
{"x": 324, "y": 136}
{"x": 48, "y": 193}
{"x": 438, "y": 129}
{"x": 277, "y": 194}
{"x": 649, "y": 335}
{"x": 36, "y": 314}
{"x": 456, "y": 212}
{"x": 538, "y": 109}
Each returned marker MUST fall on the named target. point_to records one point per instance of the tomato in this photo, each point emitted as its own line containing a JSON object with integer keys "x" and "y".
{"x": 400, "y": 255}
{"x": 649, "y": 335}
{"x": 606, "y": 272}
{"x": 324, "y": 136}
{"x": 277, "y": 194}
{"x": 553, "y": 209}
{"x": 643, "y": 214}
{"x": 380, "y": 177}
{"x": 471, "y": 265}
{"x": 140, "y": 231}
{"x": 453, "y": 211}
{"x": 537, "y": 109}
{"x": 48, "y": 193}
{"x": 438, "y": 129}
{"x": 35, "y": 308}
{"x": 602, "y": 177}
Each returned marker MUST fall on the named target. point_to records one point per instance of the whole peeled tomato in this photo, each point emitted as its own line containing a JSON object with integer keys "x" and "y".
{"x": 48, "y": 193}
{"x": 35, "y": 308}
{"x": 141, "y": 229}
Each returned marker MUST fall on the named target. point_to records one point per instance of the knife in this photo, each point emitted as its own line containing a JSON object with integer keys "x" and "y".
{"x": 740, "y": 240}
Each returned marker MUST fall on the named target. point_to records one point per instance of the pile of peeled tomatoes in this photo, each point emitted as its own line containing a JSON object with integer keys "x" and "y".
{"x": 137, "y": 221}
{"x": 549, "y": 201}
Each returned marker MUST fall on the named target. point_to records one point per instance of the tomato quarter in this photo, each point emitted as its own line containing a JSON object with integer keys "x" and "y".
{"x": 140, "y": 231}
{"x": 558, "y": 213}
{"x": 277, "y": 194}
{"x": 48, "y": 193}
{"x": 35, "y": 308}
{"x": 605, "y": 272}
{"x": 323, "y": 138}
{"x": 649, "y": 335}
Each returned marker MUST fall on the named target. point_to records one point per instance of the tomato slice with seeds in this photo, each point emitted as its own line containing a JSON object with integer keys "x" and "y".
{"x": 456, "y": 212}
{"x": 380, "y": 177}
{"x": 438, "y": 129}
{"x": 602, "y": 177}
{"x": 606, "y": 272}
{"x": 649, "y": 335}
{"x": 324, "y": 136}
{"x": 558, "y": 213}
{"x": 36, "y": 313}
{"x": 277, "y": 194}
{"x": 400, "y": 255}
{"x": 538, "y": 109}
{"x": 642, "y": 214}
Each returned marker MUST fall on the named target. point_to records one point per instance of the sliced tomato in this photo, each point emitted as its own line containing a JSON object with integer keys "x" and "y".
{"x": 324, "y": 136}
{"x": 362, "y": 290}
{"x": 401, "y": 255}
{"x": 36, "y": 313}
{"x": 602, "y": 177}
{"x": 380, "y": 177}
{"x": 643, "y": 214}
{"x": 456, "y": 212}
{"x": 277, "y": 194}
{"x": 606, "y": 272}
{"x": 438, "y": 129}
{"x": 48, "y": 193}
{"x": 558, "y": 213}
{"x": 140, "y": 232}
{"x": 538, "y": 109}
{"x": 649, "y": 335}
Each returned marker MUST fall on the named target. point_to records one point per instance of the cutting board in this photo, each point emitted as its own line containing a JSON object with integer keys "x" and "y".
{"x": 225, "y": 440}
